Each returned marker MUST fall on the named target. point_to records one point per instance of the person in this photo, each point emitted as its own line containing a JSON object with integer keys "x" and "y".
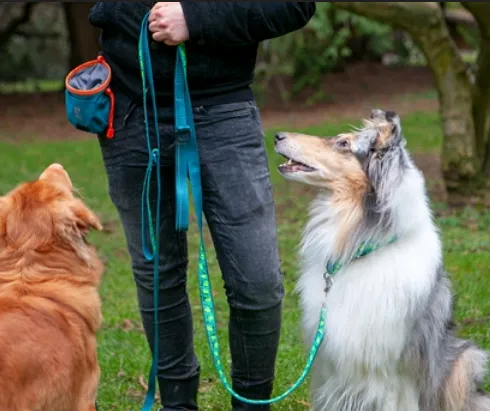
{"x": 222, "y": 40}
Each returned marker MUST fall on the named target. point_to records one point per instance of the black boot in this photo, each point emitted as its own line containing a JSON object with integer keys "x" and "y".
{"x": 179, "y": 395}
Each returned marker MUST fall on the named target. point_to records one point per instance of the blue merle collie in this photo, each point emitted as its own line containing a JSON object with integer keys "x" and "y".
{"x": 390, "y": 343}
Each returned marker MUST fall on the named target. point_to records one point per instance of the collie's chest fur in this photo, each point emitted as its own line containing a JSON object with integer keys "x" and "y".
{"x": 371, "y": 309}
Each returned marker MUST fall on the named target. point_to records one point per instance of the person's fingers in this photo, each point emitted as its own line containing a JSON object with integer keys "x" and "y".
{"x": 156, "y": 19}
{"x": 155, "y": 26}
{"x": 156, "y": 12}
{"x": 158, "y": 25}
{"x": 153, "y": 16}
{"x": 160, "y": 36}
{"x": 158, "y": 9}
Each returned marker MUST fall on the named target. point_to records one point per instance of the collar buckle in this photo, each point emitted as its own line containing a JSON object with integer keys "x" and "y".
{"x": 328, "y": 281}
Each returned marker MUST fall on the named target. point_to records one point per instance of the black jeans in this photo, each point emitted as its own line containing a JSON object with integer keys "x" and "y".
{"x": 239, "y": 209}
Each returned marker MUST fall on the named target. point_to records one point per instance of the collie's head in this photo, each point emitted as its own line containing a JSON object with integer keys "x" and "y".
{"x": 362, "y": 173}
{"x": 42, "y": 222}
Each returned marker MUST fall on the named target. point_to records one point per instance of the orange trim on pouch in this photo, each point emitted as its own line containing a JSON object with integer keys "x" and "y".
{"x": 110, "y": 128}
{"x": 104, "y": 85}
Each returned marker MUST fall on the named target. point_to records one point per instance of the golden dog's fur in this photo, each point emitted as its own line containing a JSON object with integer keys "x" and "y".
{"x": 49, "y": 303}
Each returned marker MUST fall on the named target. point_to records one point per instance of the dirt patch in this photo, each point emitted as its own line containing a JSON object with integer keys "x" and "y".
{"x": 36, "y": 117}
{"x": 352, "y": 94}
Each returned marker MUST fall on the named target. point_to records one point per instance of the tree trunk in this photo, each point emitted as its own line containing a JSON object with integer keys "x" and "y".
{"x": 462, "y": 161}
{"x": 481, "y": 98}
{"x": 84, "y": 38}
{"x": 14, "y": 25}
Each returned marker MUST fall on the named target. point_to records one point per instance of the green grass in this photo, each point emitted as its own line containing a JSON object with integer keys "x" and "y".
{"x": 123, "y": 351}
{"x": 429, "y": 94}
{"x": 31, "y": 86}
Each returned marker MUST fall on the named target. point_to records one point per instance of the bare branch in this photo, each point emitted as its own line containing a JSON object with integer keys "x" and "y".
{"x": 13, "y": 26}
{"x": 460, "y": 17}
{"x": 409, "y": 16}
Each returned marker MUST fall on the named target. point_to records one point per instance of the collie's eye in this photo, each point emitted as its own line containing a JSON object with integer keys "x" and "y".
{"x": 343, "y": 144}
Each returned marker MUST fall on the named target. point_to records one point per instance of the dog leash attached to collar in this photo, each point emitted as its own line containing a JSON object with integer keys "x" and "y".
{"x": 187, "y": 166}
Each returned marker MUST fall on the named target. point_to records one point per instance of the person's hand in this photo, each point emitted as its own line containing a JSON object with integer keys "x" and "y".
{"x": 167, "y": 23}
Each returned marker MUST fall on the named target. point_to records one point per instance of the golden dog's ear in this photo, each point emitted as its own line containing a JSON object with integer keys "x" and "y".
{"x": 77, "y": 220}
{"x": 85, "y": 219}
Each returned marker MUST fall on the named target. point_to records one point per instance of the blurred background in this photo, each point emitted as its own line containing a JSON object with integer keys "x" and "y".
{"x": 349, "y": 57}
{"x": 429, "y": 61}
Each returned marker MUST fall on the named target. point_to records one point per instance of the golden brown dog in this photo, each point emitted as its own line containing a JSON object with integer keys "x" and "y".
{"x": 49, "y": 303}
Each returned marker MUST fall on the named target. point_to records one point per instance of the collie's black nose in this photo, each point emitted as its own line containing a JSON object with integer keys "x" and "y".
{"x": 280, "y": 136}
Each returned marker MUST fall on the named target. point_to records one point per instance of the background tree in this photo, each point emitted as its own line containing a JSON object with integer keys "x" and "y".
{"x": 12, "y": 17}
{"x": 464, "y": 96}
{"x": 83, "y": 37}
{"x": 43, "y": 40}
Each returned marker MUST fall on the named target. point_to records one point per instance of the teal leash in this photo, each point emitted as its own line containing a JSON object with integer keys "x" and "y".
{"x": 150, "y": 227}
{"x": 187, "y": 167}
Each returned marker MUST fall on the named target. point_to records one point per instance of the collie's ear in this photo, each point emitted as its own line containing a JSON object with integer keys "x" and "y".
{"x": 389, "y": 128}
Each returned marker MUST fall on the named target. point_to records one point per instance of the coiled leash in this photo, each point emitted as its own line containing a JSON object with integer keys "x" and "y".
{"x": 187, "y": 166}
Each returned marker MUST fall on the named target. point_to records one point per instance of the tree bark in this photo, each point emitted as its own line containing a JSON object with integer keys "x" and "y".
{"x": 14, "y": 25}
{"x": 481, "y": 95}
{"x": 424, "y": 21}
{"x": 84, "y": 38}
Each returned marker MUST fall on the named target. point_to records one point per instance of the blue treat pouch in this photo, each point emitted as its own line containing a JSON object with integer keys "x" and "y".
{"x": 89, "y": 100}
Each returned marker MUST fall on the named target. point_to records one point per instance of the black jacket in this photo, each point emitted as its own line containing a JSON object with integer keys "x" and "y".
{"x": 221, "y": 52}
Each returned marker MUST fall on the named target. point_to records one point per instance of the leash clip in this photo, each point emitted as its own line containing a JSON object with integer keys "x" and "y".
{"x": 328, "y": 281}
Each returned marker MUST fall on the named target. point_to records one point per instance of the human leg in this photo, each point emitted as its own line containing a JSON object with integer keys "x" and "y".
{"x": 239, "y": 208}
{"x": 126, "y": 158}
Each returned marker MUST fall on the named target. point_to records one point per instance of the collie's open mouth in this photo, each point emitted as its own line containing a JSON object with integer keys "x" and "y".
{"x": 292, "y": 166}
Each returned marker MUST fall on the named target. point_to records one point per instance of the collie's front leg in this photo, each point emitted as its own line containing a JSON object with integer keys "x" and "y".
{"x": 327, "y": 392}
{"x": 330, "y": 393}
{"x": 403, "y": 398}
{"x": 334, "y": 395}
